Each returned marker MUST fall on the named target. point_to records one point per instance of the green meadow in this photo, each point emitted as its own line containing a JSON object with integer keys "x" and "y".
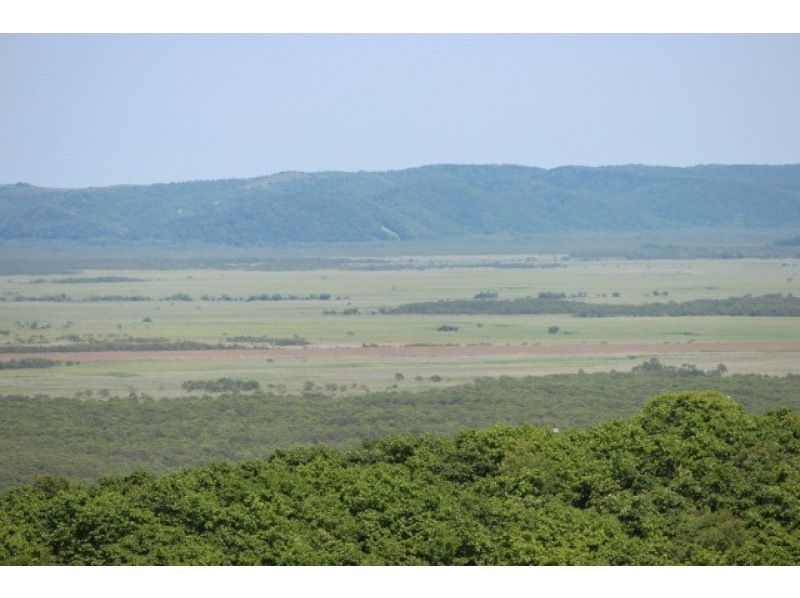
{"x": 48, "y": 323}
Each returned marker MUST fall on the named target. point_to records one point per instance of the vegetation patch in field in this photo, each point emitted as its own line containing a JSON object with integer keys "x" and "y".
{"x": 87, "y": 280}
{"x": 293, "y": 341}
{"x": 281, "y": 297}
{"x": 486, "y": 295}
{"x": 60, "y": 298}
{"x": 120, "y": 345}
{"x": 119, "y": 298}
{"x": 63, "y": 298}
{"x": 221, "y": 385}
{"x": 772, "y": 305}
{"x": 348, "y": 311}
{"x": 30, "y": 362}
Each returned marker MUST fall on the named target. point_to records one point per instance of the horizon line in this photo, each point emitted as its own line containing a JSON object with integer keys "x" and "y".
{"x": 393, "y": 170}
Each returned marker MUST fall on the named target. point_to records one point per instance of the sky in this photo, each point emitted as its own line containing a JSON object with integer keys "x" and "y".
{"x": 91, "y": 110}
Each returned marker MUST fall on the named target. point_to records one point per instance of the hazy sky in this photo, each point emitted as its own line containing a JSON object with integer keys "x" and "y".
{"x": 99, "y": 110}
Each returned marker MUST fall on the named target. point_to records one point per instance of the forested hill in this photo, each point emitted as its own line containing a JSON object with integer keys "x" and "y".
{"x": 419, "y": 203}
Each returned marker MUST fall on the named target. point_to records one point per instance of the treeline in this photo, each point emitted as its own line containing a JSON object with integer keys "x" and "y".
{"x": 275, "y": 341}
{"x": 689, "y": 480}
{"x": 221, "y": 385}
{"x": 87, "y": 280}
{"x": 84, "y": 440}
{"x": 70, "y": 258}
{"x": 771, "y": 305}
{"x": 126, "y": 344}
{"x": 655, "y": 251}
{"x": 790, "y": 242}
{"x": 61, "y": 298}
{"x": 347, "y": 311}
{"x": 30, "y": 362}
{"x": 112, "y": 298}
{"x": 687, "y": 369}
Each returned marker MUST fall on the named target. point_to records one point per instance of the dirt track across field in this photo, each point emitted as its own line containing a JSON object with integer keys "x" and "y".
{"x": 439, "y": 351}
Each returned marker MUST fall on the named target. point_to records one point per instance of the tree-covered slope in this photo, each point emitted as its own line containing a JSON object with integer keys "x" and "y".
{"x": 691, "y": 479}
{"x": 419, "y": 203}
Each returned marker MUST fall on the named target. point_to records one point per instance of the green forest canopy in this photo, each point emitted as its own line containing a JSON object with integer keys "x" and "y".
{"x": 690, "y": 479}
{"x": 86, "y": 439}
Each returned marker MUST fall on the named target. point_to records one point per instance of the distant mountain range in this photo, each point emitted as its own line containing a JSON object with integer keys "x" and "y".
{"x": 430, "y": 202}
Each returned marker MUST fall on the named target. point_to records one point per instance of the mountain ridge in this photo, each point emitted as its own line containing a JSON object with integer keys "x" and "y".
{"x": 510, "y": 165}
{"x": 420, "y": 203}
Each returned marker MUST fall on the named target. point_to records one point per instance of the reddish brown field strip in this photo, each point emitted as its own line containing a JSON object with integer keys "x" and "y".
{"x": 367, "y": 353}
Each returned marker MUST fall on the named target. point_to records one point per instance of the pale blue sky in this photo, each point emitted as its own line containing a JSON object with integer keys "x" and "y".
{"x": 98, "y": 110}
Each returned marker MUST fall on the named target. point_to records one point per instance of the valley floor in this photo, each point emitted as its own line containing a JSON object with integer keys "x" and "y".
{"x": 366, "y": 349}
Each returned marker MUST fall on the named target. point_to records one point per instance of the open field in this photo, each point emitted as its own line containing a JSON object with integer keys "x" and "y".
{"x": 633, "y": 279}
{"x": 341, "y": 350}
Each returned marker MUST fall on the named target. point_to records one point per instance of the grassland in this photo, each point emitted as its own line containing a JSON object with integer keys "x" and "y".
{"x": 609, "y": 281}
